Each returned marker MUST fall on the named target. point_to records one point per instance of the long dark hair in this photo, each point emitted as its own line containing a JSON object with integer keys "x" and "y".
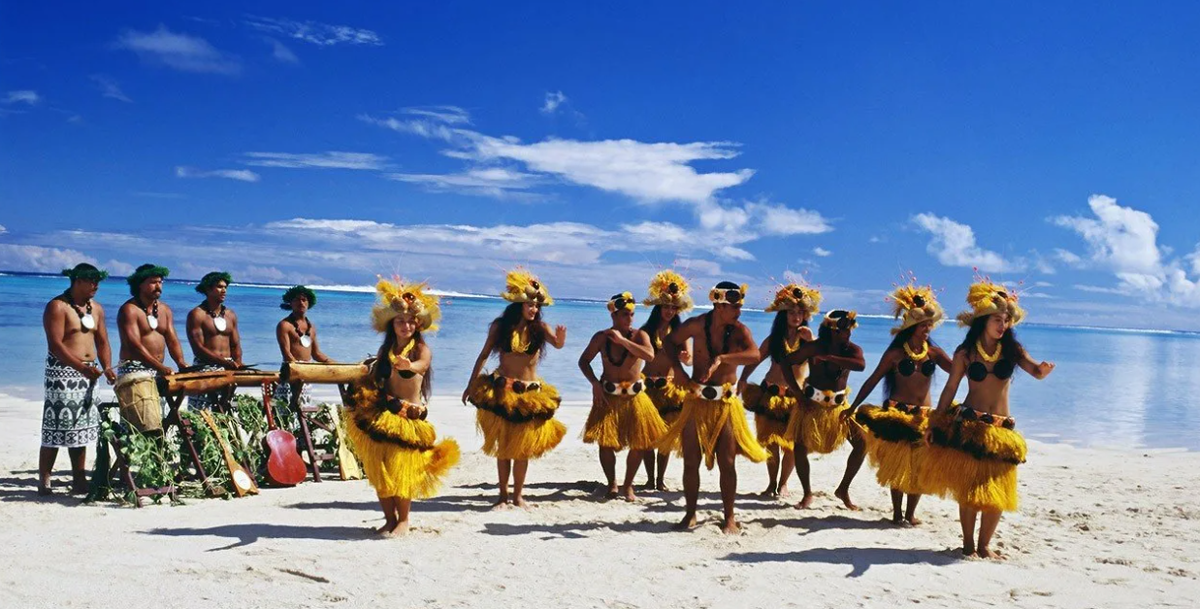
{"x": 889, "y": 379}
{"x": 776, "y": 342}
{"x": 506, "y": 325}
{"x": 383, "y": 364}
{"x": 655, "y": 320}
{"x": 1011, "y": 349}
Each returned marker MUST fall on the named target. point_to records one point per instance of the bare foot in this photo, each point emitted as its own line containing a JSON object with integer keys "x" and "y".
{"x": 629, "y": 496}
{"x": 770, "y": 491}
{"x": 44, "y": 489}
{"x": 79, "y": 487}
{"x": 989, "y": 553}
{"x": 783, "y": 491}
{"x": 968, "y": 551}
{"x": 844, "y": 495}
{"x": 731, "y": 527}
{"x": 805, "y": 502}
{"x": 688, "y": 523}
{"x": 386, "y": 529}
{"x": 401, "y": 528}
{"x": 897, "y": 519}
{"x": 521, "y": 503}
{"x": 501, "y": 504}
{"x": 612, "y": 493}
{"x": 662, "y": 486}
{"x": 648, "y": 486}
{"x": 913, "y": 520}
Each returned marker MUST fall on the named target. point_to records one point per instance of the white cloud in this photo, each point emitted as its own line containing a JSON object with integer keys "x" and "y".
{"x": 1124, "y": 240}
{"x": 785, "y": 221}
{"x": 693, "y": 265}
{"x": 1070, "y": 258}
{"x": 280, "y": 51}
{"x": 1043, "y": 284}
{"x": 157, "y": 195}
{"x": 953, "y": 244}
{"x": 323, "y": 160}
{"x": 36, "y": 258}
{"x": 553, "y": 101}
{"x": 3, "y": 229}
{"x": 22, "y": 97}
{"x": 178, "y": 51}
{"x": 321, "y": 34}
{"x": 244, "y": 175}
{"x": 822, "y": 252}
{"x": 490, "y": 181}
{"x": 116, "y": 267}
{"x": 110, "y": 89}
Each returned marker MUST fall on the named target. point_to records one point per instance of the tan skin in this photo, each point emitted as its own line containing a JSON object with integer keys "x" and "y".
{"x": 396, "y": 509}
{"x": 518, "y": 366}
{"x": 288, "y": 332}
{"x": 74, "y": 346}
{"x": 139, "y": 342}
{"x": 662, "y": 365}
{"x": 208, "y": 344}
{"x": 989, "y": 395}
{"x": 912, "y": 390}
{"x": 630, "y": 348}
{"x": 714, "y": 369}
{"x": 829, "y": 369}
{"x": 779, "y": 470}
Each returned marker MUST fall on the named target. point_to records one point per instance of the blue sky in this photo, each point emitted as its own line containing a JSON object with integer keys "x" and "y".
{"x": 1053, "y": 146}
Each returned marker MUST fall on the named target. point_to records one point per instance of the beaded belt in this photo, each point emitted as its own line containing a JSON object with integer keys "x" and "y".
{"x": 773, "y": 390}
{"x": 657, "y": 382}
{"x": 623, "y": 388}
{"x": 966, "y": 413}
{"x": 714, "y": 392}
{"x": 902, "y": 407}
{"x": 826, "y": 396}
{"x": 516, "y": 385}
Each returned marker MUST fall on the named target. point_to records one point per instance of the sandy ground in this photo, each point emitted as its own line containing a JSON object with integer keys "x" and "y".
{"x": 1096, "y": 529}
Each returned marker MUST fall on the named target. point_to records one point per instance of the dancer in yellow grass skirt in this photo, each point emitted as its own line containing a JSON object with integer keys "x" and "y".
{"x": 770, "y": 401}
{"x": 713, "y": 422}
{"x": 896, "y": 429}
{"x": 974, "y": 447}
{"x": 385, "y": 418}
{"x": 817, "y": 425}
{"x": 669, "y": 298}
{"x": 516, "y": 407}
{"x": 622, "y": 415}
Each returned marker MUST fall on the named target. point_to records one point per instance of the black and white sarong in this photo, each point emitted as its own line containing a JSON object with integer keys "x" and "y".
{"x": 69, "y": 418}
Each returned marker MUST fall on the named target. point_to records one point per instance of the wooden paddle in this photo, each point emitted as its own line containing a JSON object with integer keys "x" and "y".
{"x": 243, "y": 482}
{"x": 348, "y": 466}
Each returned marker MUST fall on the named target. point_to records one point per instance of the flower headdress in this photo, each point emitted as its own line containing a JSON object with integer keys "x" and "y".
{"x": 796, "y": 296}
{"x": 915, "y": 304}
{"x": 398, "y": 298}
{"x": 841, "y": 319}
{"x": 523, "y": 286}
{"x": 622, "y": 301}
{"x": 668, "y": 288}
{"x": 986, "y": 298}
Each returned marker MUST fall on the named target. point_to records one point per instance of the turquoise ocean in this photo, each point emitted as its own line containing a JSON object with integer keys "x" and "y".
{"x": 1120, "y": 388}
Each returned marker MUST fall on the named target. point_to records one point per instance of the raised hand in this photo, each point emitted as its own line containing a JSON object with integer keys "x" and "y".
{"x": 560, "y": 332}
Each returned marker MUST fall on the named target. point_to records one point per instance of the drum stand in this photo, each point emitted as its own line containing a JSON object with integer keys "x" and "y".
{"x": 120, "y": 467}
{"x": 304, "y": 415}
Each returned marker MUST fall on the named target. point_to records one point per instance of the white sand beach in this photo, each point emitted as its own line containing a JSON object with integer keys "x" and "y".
{"x": 1096, "y": 529}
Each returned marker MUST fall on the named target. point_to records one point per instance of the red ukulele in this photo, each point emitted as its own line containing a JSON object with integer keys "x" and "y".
{"x": 284, "y": 465}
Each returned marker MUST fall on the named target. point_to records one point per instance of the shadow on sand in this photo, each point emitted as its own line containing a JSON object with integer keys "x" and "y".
{"x": 859, "y": 559}
{"x": 249, "y": 533}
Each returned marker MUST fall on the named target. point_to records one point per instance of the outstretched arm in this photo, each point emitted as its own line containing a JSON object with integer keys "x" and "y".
{"x": 748, "y": 369}
{"x": 886, "y": 362}
{"x": 558, "y": 337}
{"x": 1037, "y": 371}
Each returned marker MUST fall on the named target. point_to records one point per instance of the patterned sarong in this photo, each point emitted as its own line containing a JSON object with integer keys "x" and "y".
{"x": 283, "y": 391}
{"x": 208, "y": 400}
{"x": 69, "y": 418}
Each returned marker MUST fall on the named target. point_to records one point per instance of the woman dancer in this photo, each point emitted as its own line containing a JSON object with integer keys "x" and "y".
{"x": 771, "y": 401}
{"x": 896, "y": 429}
{"x": 515, "y": 407}
{"x": 385, "y": 419}
{"x": 974, "y": 447}
{"x": 669, "y": 298}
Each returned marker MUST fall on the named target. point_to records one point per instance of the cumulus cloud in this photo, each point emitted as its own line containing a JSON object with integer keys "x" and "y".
{"x": 313, "y": 32}
{"x": 40, "y": 259}
{"x": 178, "y": 51}
{"x": 321, "y": 160}
{"x": 30, "y": 98}
{"x": 244, "y": 175}
{"x": 822, "y": 252}
{"x": 1124, "y": 241}
{"x": 110, "y": 89}
{"x": 953, "y": 244}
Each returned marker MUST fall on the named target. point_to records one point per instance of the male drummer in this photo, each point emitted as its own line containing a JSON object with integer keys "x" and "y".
{"x": 212, "y": 330}
{"x": 297, "y": 337}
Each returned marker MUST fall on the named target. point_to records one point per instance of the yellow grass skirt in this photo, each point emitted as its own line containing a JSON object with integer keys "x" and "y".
{"x": 624, "y": 421}
{"x": 817, "y": 428}
{"x": 710, "y": 417}
{"x": 974, "y": 462}
{"x": 401, "y": 456}
{"x": 771, "y": 416}
{"x": 516, "y": 425}
{"x": 669, "y": 402}
{"x": 896, "y": 447}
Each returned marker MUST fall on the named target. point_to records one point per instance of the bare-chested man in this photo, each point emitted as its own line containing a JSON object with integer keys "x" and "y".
{"x": 212, "y": 331}
{"x": 297, "y": 338}
{"x": 147, "y": 325}
{"x": 76, "y": 338}
{"x": 622, "y": 414}
{"x": 713, "y": 421}
{"x": 818, "y": 425}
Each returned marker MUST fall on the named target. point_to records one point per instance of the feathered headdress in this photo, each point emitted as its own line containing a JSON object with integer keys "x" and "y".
{"x": 796, "y": 296}
{"x": 398, "y": 298}
{"x": 841, "y": 319}
{"x": 523, "y": 286}
{"x": 915, "y": 304}
{"x": 728, "y": 292}
{"x": 668, "y": 288}
{"x": 622, "y": 301}
{"x": 986, "y": 298}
